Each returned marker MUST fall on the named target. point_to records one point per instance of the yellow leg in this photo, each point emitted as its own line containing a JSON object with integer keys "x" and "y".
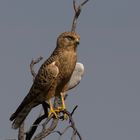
{"x": 63, "y": 102}
{"x": 63, "y": 106}
{"x": 52, "y": 111}
{"x": 56, "y": 112}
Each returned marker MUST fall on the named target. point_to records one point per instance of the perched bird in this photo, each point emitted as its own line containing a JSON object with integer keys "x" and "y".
{"x": 52, "y": 78}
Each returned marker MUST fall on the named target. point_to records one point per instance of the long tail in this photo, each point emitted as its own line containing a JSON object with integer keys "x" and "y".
{"x": 20, "y": 115}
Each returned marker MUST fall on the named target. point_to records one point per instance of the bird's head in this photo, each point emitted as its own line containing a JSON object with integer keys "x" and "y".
{"x": 67, "y": 39}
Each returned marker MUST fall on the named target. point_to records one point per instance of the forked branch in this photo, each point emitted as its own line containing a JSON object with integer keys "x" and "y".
{"x": 77, "y": 10}
{"x": 33, "y": 62}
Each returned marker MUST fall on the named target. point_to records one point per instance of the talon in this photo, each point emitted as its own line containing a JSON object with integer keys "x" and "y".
{"x": 63, "y": 107}
{"x": 60, "y": 108}
{"x": 66, "y": 116}
{"x": 53, "y": 111}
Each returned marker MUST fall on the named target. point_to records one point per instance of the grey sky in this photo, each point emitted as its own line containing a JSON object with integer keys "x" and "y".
{"x": 109, "y": 94}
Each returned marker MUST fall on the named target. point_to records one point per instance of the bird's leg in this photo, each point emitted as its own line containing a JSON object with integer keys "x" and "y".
{"x": 52, "y": 111}
{"x": 63, "y": 107}
{"x": 63, "y": 102}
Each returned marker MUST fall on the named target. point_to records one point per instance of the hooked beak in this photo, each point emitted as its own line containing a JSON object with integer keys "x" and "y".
{"x": 77, "y": 42}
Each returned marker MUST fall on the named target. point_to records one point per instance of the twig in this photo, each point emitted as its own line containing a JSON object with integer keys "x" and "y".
{"x": 45, "y": 132}
{"x": 72, "y": 125}
{"x": 61, "y": 133}
{"x": 33, "y": 62}
{"x": 21, "y": 132}
{"x": 77, "y": 10}
{"x": 74, "y": 110}
{"x": 33, "y": 128}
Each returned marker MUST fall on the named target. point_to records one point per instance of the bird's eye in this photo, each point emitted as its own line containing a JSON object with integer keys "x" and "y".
{"x": 69, "y": 38}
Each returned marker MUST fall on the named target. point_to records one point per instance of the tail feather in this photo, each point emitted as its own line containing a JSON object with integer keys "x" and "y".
{"x": 14, "y": 115}
{"x": 20, "y": 116}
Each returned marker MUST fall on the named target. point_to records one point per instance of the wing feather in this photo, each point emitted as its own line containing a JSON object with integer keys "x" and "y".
{"x": 43, "y": 81}
{"x": 76, "y": 76}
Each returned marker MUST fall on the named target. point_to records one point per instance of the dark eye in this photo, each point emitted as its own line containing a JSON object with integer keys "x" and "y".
{"x": 70, "y": 38}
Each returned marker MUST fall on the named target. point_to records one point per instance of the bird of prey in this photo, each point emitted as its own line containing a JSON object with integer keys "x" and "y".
{"x": 52, "y": 78}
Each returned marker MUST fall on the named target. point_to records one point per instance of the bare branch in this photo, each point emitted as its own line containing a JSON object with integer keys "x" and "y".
{"x": 45, "y": 132}
{"x": 77, "y": 10}
{"x": 33, "y": 62}
{"x": 33, "y": 128}
{"x": 36, "y": 123}
{"x": 63, "y": 132}
{"x": 73, "y": 124}
{"x": 84, "y": 2}
{"x": 74, "y": 110}
{"x": 21, "y": 132}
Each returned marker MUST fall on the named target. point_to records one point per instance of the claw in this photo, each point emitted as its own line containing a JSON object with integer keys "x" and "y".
{"x": 63, "y": 107}
{"x": 66, "y": 116}
{"x": 53, "y": 112}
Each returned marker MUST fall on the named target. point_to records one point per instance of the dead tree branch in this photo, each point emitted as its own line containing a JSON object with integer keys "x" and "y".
{"x": 33, "y": 62}
{"x": 45, "y": 132}
{"x": 51, "y": 129}
{"x": 77, "y": 10}
{"x": 21, "y": 135}
{"x": 36, "y": 123}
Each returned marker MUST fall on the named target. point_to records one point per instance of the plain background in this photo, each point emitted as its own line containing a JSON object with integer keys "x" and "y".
{"x": 109, "y": 93}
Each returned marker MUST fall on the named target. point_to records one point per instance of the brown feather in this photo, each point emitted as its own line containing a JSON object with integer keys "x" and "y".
{"x": 52, "y": 78}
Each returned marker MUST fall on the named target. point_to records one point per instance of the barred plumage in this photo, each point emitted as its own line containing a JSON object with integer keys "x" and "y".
{"x": 52, "y": 78}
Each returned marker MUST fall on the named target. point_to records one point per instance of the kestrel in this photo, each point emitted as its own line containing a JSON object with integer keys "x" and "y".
{"x": 52, "y": 78}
